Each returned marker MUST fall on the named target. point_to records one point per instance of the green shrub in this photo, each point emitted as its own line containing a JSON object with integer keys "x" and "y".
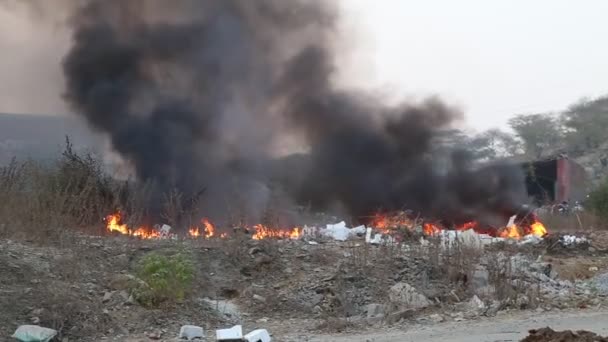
{"x": 167, "y": 278}
{"x": 598, "y": 200}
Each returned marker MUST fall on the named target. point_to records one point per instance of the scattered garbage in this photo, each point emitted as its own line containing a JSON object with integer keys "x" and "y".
{"x": 231, "y": 334}
{"x": 235, "y": 334}
{"x": 191, "y": 332}
{"x": 165, "y": 230}
{"x": 258, "y": 335}
{"x": 572, "y": 240}
{"x": 338, "y": 231}
{"x": 34, "y": 333}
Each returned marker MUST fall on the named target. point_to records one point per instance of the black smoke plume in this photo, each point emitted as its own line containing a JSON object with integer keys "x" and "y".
{"x": 205, "y": 92}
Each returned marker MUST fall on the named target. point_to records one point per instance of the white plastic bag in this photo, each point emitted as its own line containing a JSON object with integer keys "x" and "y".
{"x": 34, "y": 333}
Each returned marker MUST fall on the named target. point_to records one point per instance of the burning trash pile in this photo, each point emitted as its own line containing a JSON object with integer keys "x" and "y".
{"x": 206, "y": 230}
{"x": 381, "y": 229}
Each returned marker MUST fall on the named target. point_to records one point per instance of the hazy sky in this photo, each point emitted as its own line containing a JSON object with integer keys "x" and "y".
{"x": 492, "y": 58}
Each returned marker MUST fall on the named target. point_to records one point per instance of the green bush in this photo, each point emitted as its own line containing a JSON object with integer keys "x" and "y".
{"x": 167, "y": 278}
{"x": 598, "y": 200}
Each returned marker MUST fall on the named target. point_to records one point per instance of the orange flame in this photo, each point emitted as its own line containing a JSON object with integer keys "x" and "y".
{"x": 263, "y": 232}
{"x": 114, "y": 224}
{"x": 145, "y": 233}
{"x": 385, "y": 224}
{"x": 194, "y": 232}
{"x": 209, "y": 228}
{"x": 511, "y": 232}
{"x": 430, "y": 229}
{"x": 467, "y": 226}
{"x": 538, "y": 229}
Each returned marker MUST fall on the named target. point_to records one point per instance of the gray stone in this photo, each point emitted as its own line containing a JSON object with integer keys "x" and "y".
{"x": 397, "y": 316}
{"x": 481, "y": 277}
{"x": 374, "y": 310}
{"x": 406, "y": 296}
{"x": 522, "y": 301}
{"x": 436, "y": 318}
{"x": 475, "y": 305}
{"x": 259, "y": 298}
{"x": 458, "y": 317}
{"x": 124, "y": 295}
{"x": 107, "y": 296}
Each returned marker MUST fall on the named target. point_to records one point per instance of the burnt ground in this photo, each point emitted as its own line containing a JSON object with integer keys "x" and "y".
{"x": 81, "y": 285}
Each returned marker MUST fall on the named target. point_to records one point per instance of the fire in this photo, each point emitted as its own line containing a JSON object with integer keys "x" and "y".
{"x": 209, "y": 228}
{"x": 263, "y": 232}
{"x": 511, "y": 232}
{"x": 467, "y": 226}
{"x": 145, "y": 233}
{"x": 529, "y": 225}
{"x": 430, "y": 229}
{"x": 206, "y": 231}
{"x": 386, "y": 223}
{"x": 194, "y": 232}
{"x": 538, "y": 229}
{"x": 114, "y": 224}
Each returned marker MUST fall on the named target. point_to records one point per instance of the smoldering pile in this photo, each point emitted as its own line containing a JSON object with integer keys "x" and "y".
{"x": 206, "y": 93}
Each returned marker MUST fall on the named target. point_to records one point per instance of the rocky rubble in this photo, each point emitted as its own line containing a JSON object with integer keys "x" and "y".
{"x": 265, "y": 281}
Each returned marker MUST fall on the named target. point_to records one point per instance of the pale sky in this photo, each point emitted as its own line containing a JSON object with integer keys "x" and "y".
{"x": 491, "y": 58}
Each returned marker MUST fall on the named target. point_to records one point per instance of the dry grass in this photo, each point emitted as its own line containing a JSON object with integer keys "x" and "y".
{"x": 573, "y": 222}
{"x": 42, "y": 202}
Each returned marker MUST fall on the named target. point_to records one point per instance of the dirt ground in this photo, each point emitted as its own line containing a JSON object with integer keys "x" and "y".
{"x": 501, "y": 328}
{"x": 314, "y": 291}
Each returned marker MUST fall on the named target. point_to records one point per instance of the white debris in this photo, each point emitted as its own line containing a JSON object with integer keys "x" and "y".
{"x": 165, "y": 230}
{"x": 568, "y": 240}
{"x": 360, "y": 230}
{"x": 190, "y": 332}
{"x": 368, "y": 235}
{"x": 468, "y": 238}
{"x": 33, "y": 333}
{"x": 337, "y": 231}
{"x": 310, "y": 231}
{"x": 511, "y": 221}
{"x": 340, "y": 232}
{"x": 258, "y": 335}
{"x": 378, "y": 238}
{"x": 234, "y": 333}
{"x": 530, "y": 240}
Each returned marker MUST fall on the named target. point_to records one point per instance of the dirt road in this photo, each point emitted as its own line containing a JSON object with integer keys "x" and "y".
{"x": 501, "y": 328}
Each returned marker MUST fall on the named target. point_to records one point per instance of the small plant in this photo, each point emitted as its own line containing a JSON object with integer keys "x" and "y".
{"x": 167, "y": 278}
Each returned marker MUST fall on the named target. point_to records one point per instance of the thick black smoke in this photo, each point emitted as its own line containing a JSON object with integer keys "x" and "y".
{"x": 203, "y": 92}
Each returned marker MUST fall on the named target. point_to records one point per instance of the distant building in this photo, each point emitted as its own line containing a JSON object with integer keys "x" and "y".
{"x": 555, "y": 180}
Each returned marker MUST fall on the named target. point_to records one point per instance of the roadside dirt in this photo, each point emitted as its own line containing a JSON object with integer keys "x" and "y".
{"x": 500, "y": 328}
